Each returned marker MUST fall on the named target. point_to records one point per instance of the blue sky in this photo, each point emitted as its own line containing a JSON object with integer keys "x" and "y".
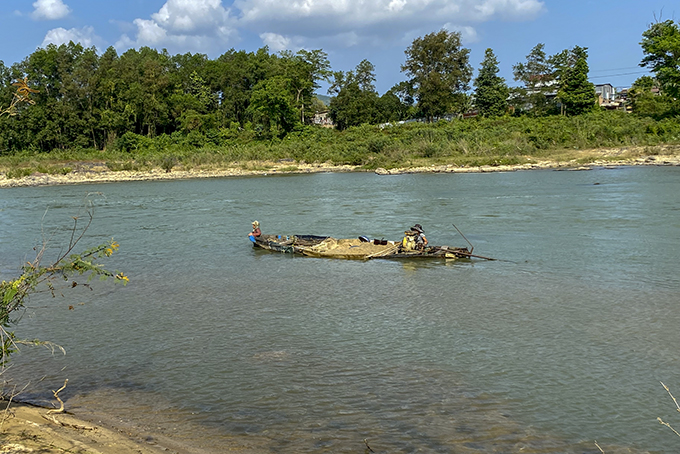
{"x": 348, "y": 30}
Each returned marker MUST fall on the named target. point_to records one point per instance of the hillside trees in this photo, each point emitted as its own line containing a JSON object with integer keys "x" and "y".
{"x": 393, "y": 107}
{"x": 90, "y": 101}
{"x": 491, "y": 92}
{"x": 86, "y": 100}
{"x": 439, "y": 72}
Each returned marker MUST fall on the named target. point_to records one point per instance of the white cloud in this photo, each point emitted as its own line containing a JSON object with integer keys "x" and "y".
{"x": 207, "y": 26}
{"x": 185, "y": 26}
{"x": 275, "y": 41}
{"x": 84, "y": 36}
{"x": 378, "y": 20}
{"x": 364, "y": 12}
{"x": 50, "y": 10}
{"x": 467, "y": 34}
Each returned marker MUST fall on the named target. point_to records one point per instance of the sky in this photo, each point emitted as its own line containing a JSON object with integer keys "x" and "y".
{"x": 349, "y": 31}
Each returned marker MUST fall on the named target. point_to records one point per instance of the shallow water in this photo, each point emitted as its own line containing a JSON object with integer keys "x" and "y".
{"x": 561, "y": 343}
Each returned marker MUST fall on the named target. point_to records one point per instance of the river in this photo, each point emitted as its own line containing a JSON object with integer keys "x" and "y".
{"x": 561, "y": 342}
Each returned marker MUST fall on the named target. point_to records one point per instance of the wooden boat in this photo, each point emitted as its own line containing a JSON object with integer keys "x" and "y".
{"x": 353, "y": 248}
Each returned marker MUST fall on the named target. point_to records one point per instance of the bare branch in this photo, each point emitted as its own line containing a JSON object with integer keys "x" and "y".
{"x": 668, "y": 425}
{"x": 669, "y": 393}
{"x": 61, "y": 402}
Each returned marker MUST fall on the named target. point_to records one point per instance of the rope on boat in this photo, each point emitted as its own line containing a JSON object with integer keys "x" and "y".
{"x": 382, "y": 253}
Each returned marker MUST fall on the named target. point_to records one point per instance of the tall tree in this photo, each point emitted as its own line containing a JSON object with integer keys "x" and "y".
{"x": 576, "y": 92}
{"x": 538, "y": 79}
{"x": 661, "y": 46}
{"x": 356, "y": 101}
{"x": 273, "y": 105}
{"x": 396, "y": 104}
{"x": 439, "y": 71}
{"x": 491, "y": 92}
{"x": 305, "y": 70}
{"x": 146, "y": 89}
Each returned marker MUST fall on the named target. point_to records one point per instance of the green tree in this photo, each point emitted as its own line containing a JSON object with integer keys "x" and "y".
{"x": 491, "y": 92}
{"x": 234, "y": 75}
{"x": 114, "y": 120}
{"x": 538, "y": 79}
{"x": 576, "y": 92}
{"x": 273, "y": 104}
{"x": 439, "y": 72}
{"x": 353, "y": 107}
{"x": 356, "y": 102}
{"x": 146, "y": 89}
{"x": 193, "y": 104}
{"x": 391, "y": 108}
{"x": 305, "y": 69}
{"x": 661, "y": 46}
{"x": 647, "y": 100}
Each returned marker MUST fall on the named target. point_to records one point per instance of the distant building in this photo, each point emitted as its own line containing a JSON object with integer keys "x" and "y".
{"x": 605, "y": 93}
{"x": 611, "y": 99}
{"x": 323, "y": 119}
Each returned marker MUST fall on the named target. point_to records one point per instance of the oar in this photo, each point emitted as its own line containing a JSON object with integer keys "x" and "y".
{"x": 472, "y": 248}
{"x": 469, "y": 254}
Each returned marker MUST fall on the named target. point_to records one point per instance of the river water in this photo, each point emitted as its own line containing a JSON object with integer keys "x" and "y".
{"x": 221, "y": 346}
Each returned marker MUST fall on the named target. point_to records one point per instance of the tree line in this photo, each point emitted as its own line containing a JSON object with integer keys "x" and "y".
{"x": 78, "y": 99}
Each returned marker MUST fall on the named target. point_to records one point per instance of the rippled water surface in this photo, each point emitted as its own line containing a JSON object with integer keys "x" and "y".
{"x": 221, "y": 346}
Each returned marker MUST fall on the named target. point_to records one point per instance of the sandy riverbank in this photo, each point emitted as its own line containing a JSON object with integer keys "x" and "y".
{"x": 99, "y": 173}
{"x": 29, "y": 429}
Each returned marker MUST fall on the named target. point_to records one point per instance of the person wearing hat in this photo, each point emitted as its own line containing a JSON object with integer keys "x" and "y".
{"x": 256, "y": 231}
{"x": 421, "y": 241}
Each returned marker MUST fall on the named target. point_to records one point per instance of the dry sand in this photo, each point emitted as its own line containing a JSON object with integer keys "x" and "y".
{"x": 29, "y": 429}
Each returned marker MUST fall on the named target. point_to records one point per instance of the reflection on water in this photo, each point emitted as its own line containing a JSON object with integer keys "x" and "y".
{"x": 219, "y": 345}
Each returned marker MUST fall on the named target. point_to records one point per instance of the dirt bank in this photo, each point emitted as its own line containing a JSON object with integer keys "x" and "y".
{"x": 27, "y": 429}
{"x": 580, "y": 160}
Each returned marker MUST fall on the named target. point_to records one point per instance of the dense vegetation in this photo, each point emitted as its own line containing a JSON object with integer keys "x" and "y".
{"x": 476, "y": 141}
{"x": 146, "y": 108}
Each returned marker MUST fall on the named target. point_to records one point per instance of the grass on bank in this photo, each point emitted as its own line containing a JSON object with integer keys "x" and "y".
{"x": 469, "y": 142}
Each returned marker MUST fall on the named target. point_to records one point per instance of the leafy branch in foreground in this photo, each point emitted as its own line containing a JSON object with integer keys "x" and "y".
{"x": 23, "y": 94}
{"x": 35, "y": 277}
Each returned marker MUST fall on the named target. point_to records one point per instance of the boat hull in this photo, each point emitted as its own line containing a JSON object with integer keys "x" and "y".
{"x": 354, "y": 248}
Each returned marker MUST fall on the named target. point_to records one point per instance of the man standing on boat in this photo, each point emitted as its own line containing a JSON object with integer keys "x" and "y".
{"x": 421, "y": 241}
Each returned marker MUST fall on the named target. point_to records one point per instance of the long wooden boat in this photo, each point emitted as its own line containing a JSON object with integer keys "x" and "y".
{"x": 353, "y": 248}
